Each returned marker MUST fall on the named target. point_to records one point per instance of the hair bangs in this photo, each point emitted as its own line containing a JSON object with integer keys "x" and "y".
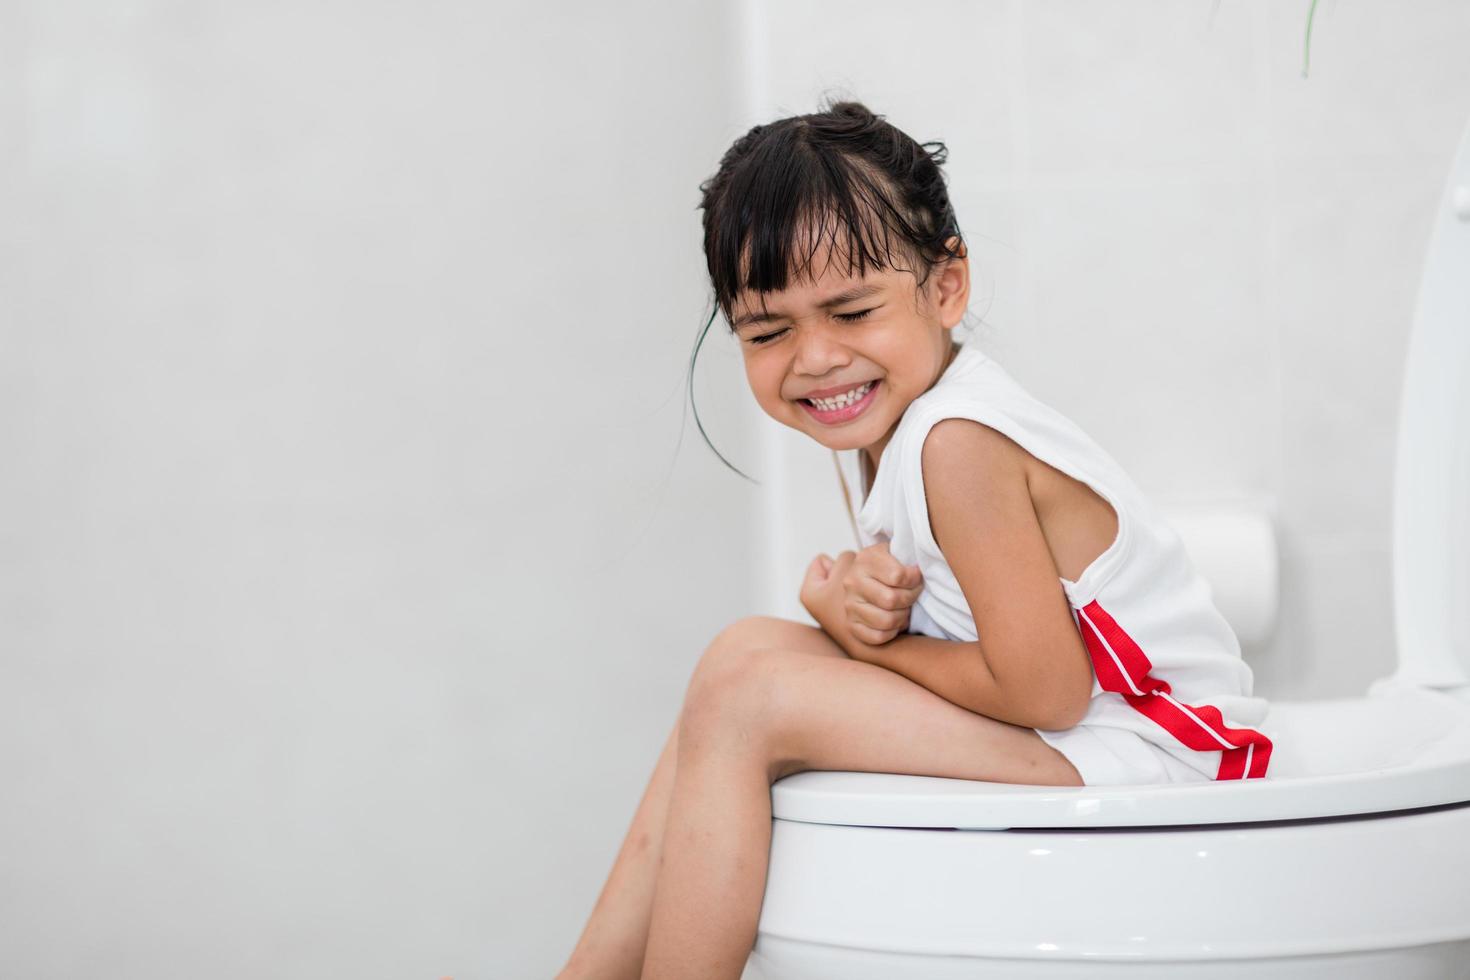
{"x": 793, "y": 202}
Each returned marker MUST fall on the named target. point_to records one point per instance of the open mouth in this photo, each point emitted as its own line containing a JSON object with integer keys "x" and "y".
{"x": 841, "y": 408}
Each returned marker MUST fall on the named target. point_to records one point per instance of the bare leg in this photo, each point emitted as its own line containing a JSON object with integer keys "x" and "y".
{"x": 611, "y": 947}
{"x": 612, "y": 943}
{"x": 710, "y": 891}
{"x": 751, "y": 719}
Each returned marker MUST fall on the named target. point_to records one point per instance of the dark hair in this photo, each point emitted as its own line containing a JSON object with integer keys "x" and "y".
{"x": 843, "y": 169}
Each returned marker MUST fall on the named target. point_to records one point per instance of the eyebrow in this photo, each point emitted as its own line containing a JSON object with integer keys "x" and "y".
{"x": 846, "y": 296}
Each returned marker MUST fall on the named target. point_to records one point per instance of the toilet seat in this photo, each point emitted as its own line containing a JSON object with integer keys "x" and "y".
{"x": 1397, "y": 750}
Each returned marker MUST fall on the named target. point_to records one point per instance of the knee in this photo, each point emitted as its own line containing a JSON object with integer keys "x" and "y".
{"x": 723, "y": 665}
{"x": 748, "y": 633}
{"x": 733, "y": 659}
{"x": 734, "y": 689}
{"x": 741, "y": 682}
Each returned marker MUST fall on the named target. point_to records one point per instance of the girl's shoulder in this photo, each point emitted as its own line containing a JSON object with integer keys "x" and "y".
{"x": 972, "y": 387}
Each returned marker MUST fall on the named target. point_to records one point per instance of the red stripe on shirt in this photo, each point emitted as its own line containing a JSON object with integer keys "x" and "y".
{"x": 1123, "y": 669}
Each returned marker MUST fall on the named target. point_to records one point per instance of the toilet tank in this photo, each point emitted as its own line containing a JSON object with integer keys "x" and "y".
{"x": 1431, "y": 508}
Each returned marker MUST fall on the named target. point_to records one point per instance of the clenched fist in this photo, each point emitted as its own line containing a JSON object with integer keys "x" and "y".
{"x": 879, "y": 589}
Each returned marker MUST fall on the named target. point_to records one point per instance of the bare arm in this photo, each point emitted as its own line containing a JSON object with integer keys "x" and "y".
{"x": 956, "y": 671}
{"x": 1033, "y": 666}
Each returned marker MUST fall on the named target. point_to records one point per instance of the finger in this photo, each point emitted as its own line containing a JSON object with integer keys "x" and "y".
{"x": 874, "y": 617}
{"x": 885, "y": 596}
{"x": 911, "y": 583}
{"x": 874, "y": 592}
{"x": 870, "y": 636}
{"x": 825, "y": 561}
{"x": 814, "y": 572}
{"x": 899, "y": 575}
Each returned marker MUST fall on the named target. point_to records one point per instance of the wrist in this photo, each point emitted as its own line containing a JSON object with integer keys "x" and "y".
{"x": 834, "y": 624}
{"x": 824, "y": 620}
{"x": 854, "y": 647}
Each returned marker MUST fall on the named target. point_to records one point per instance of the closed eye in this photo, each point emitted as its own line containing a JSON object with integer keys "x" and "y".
{"x": 844, "y": 317}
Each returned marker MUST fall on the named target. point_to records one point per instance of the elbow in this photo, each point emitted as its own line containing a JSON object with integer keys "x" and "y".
{"x": 1067, "y": 697}
{"x": 1065, "y": 709}
{"x": 1068, "y": 715}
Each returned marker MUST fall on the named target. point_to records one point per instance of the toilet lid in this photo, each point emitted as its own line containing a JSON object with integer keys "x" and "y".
{"x": 1431, "y": 517}
{"x": 1402, "y": 749}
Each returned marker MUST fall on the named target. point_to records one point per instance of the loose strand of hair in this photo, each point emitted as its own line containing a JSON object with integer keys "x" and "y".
{"x": 692, "y": 357}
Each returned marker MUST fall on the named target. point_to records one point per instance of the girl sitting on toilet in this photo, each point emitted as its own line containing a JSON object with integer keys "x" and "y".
{"x": 1019, "y": 612}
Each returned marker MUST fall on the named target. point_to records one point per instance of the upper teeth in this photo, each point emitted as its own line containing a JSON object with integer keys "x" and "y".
{"x": 843, "y": 400}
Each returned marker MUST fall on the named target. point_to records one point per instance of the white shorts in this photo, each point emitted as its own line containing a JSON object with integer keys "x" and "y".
{"x": 1117, "y": 757}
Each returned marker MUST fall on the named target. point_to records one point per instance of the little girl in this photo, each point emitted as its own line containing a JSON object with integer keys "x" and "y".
{"x": 1019, "y": 613}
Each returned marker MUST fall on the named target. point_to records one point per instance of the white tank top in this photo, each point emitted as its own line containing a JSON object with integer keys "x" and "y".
{"x": 1166, "y": 664}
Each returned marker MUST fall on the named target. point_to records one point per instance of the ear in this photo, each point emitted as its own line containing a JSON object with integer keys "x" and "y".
{"x": 954, "y": 286}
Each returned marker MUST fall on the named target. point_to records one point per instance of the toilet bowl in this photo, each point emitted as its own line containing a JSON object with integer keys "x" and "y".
{"x": 1352, "y": 859}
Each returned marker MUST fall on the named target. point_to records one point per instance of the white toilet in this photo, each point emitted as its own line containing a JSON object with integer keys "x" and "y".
{"x": 1351, "y": 860}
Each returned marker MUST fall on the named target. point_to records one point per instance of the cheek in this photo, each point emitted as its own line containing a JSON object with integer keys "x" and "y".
{"x": 765, "y": 384}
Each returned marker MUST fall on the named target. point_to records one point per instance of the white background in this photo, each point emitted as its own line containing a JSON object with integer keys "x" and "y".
{"x": 354, "y": 551}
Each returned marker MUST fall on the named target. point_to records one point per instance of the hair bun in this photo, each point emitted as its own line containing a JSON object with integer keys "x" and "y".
{"x": 854, "y": 110}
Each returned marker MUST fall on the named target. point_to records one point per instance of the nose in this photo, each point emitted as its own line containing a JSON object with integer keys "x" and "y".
{"x": 818, "y": 351}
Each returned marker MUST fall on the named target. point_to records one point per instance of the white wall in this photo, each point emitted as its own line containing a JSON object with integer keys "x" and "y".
{"x": 1205, "y": 260}
{"x": 351, "y": 569}
{"x": 350, "y": 577}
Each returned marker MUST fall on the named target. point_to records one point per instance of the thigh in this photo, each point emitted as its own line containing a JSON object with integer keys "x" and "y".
{"x": 836, "y": 713}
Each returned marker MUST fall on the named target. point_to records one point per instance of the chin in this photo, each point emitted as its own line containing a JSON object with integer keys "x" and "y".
{"x": 834, "y": 439}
